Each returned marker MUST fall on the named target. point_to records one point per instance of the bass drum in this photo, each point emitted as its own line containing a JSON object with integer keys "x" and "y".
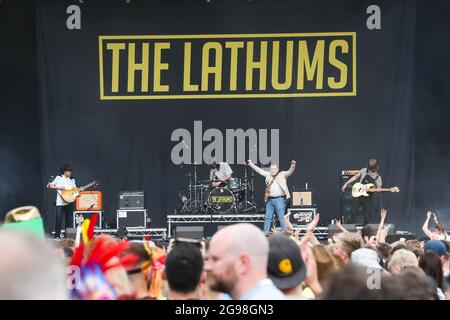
{"x": 221, "y": 200}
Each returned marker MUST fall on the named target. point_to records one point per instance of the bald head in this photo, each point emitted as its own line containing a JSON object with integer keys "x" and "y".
{"x": 244, "y": 238}
{"x": 237, "y": 259}
{"x": 29, "y": 268}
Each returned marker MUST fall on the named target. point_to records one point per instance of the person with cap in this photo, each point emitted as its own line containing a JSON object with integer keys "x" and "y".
{"x": 286, "y": 267}
{"x": 438, "y": 247}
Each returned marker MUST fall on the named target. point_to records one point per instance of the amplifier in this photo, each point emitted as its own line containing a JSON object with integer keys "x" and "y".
{"x": 131, "y": 200}
{"x": 89, "y": 200}
{"x": 301, "y": 216}
{"x": 302, "y": 198}
{"x": 132, "y": 218}
{"x": 79, "y": 216}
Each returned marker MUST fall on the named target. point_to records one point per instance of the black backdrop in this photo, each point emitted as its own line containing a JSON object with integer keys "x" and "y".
{"x": 126, "y": 144}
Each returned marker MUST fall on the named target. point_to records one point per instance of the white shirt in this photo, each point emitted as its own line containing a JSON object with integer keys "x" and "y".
{"x": 224, "y": 170}
{"x": 63, "y": 182}
{"x": 264, "y": 290}
{"x": 276, "y": 191}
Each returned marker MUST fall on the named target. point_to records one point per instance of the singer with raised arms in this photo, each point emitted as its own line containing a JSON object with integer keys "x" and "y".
{"x": 276, "y": 192}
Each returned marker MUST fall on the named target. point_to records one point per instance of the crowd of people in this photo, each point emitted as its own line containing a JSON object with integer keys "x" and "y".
{"x": 240, "y": 262}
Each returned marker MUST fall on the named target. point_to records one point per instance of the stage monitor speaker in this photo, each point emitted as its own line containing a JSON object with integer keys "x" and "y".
{"x": 374, "y": 228}
{"x": 347, "y": 199}
{"x": 89, "y": 201}
{"x": 132, "y": 200}
{"x": 391, "y": 238}
{"x": 190, "y": 232}
{"x": 332, "y": 229}
{"x": 302, "y": 198}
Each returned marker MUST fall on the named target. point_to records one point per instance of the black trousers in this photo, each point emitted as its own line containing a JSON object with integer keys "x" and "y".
{"x": 66, "y": 213}
{"x": 367, "y": 207}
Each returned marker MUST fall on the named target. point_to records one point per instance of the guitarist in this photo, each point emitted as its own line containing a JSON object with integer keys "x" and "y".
{"x": 365, "y": 175}
{"x": 276, "y": 192}
{"x": 63, "y": 182}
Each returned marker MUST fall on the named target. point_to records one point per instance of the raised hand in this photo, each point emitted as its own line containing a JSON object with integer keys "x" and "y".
{"x": 312, "y": 279}
{"x": 383, "y": 214}
{"x": 338, "y": 223}
{"x": 293, "y": 162}
{"x": 287, "y": 222}
{"x": 429, "y": 214}
{"x": 435, "y": 218}
{"x": 249, "y": 161}
{"x": 313, "y": 223}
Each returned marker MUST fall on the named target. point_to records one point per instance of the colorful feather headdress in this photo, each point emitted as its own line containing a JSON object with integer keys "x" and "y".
{"x": 99, "y": 265}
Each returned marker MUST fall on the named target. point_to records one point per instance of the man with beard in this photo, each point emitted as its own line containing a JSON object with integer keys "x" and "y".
{"x": 237, "y": 263}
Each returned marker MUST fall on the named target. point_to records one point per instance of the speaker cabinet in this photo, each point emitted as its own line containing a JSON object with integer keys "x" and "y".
{"x": 89, "y": 201}
{"x": 347, "y": 199}
{"x": 302, "y": 198}
{"x": 301, "y": 216}
{"x": 80, "y": 216}
{"x": 190, "y": 232}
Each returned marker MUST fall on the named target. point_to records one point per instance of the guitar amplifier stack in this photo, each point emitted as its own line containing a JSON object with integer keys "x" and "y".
{"x": 303, "y": 208}
{"x": 346, "y": 197}
{"x": 132, "y": 213}
{"x": 87, "y": 204}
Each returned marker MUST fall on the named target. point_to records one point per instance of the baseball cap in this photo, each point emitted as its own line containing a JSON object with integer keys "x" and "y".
{"x": 285, "y": 267}
{"x": 437, "y": 247}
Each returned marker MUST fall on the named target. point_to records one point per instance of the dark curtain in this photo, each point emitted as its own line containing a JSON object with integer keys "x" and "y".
{"x": 126, "y": 144}
{"x": 20, "y": 166}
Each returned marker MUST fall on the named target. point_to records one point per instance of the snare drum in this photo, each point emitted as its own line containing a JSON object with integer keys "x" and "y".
{"x": 221, "y": 199}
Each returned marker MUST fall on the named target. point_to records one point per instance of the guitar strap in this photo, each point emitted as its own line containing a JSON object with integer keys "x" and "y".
{"x": 272, "y": 181}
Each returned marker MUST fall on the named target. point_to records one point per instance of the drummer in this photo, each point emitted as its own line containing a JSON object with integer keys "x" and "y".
{"x": 220, "y": 173}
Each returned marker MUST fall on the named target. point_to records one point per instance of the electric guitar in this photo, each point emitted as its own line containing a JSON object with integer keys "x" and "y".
{"x": 362, "y": 190}
{"x": 71, "y": 195}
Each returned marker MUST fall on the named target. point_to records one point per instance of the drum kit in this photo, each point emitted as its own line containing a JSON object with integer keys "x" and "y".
{"x": 234, "y": 196}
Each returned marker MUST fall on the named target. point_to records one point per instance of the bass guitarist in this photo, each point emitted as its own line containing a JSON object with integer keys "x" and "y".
{"x": 365, "y": 175}
{"x": 63, "y": 182}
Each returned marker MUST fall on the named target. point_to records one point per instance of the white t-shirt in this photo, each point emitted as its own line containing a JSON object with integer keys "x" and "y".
{"x": 67, "y": 184}
{"x": 275, "y": 190}
{"x": 224, "y": 170}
